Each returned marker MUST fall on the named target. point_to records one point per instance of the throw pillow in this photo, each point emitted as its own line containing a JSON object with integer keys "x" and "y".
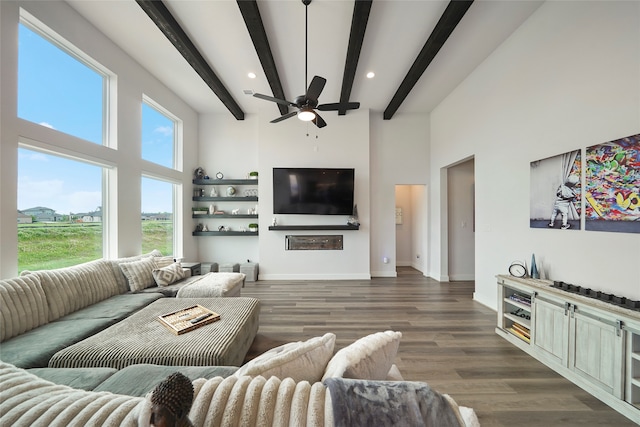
{"x": 163, "y": 261}
{"x": 168, "y": 275}
{"x": 369, "y": 358}
{"x": 302, "y": 361}
{"x": 139, "y": 273}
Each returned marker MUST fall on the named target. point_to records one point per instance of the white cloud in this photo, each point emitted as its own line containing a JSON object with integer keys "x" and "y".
{"x": 164, "y": 130}
{"x": 47, "y": 125}
{"x": 51, "y": 194}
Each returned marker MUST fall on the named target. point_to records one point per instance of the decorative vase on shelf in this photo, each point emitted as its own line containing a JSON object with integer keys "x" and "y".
{"x": 213, "y": 192}
{"x": 534, "y": 268}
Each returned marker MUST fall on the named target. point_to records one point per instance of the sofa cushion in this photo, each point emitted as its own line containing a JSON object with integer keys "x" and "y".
{"x": 71, "y": 288}
{"x": 172, "y": 289}
{"x": 23, "y": 306}
{"x": 115, "y": 308}
{"x": 302, "y": 361}
{"x": 80, "y": 378}
{"x": 139, "y": 273}
{"x": 167, "y": 275}
{"x": 138, "y": 380}
{"x": 369, "y": 358}
{"x": 34, "y": 348}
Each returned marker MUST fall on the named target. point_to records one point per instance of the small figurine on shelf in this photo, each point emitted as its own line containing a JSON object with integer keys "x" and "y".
{"x": 274, "y": 221}
{"x": 212, "y": 209}
{"x": 205, "y": 228}
{"x": 213, "y": 192}
{"x": 199, "y": 227}
{"x": 235, "y": 211}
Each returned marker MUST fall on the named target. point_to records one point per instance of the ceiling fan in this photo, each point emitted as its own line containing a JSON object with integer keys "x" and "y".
{"x": 307, "y": 104}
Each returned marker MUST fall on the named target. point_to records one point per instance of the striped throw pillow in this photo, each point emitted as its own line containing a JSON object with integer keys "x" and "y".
{"x": 139, "y": 273}
{"x": 168, "y": 275}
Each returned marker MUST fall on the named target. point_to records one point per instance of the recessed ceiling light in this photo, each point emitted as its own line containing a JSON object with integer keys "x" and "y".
{"x": 252, "y": 75}
{"x": 371, "y": 75}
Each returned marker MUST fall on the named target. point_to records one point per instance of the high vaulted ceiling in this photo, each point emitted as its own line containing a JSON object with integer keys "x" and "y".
{"x": 396, "y": 32}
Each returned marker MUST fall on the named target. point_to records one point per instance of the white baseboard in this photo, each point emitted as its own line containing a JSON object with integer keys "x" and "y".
{"x": 315, "y": 277}
{"x": 462, "y": 277}
{"x": 384, "y": 274}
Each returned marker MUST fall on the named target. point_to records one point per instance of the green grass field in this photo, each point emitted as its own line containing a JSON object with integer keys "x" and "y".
{"x": 53, "y": 245}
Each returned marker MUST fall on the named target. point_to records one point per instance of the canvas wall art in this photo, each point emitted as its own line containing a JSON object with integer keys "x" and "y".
{"x": 612, "y": 186}
{"x": 556, "y": 192}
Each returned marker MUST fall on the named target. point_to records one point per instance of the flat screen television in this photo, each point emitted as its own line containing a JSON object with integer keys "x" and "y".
{"x": 313, "y": 191}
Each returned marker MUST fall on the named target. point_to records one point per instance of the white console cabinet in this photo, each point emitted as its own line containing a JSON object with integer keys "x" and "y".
{"x": 594, "y": 344}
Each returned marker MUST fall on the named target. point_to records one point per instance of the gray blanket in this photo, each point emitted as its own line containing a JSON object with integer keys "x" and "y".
{"x": 388, "y": 403}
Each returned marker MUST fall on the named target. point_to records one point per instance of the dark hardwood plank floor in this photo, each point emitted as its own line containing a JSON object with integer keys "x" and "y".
{"x": 448, "y": 341}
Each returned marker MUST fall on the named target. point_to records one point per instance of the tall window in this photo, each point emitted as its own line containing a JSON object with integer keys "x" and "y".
{"x": 60, "y": 211}
{"x": 158, "y": 135}
{"x": 157, "y": 216}
{"x": 57, "y": 89}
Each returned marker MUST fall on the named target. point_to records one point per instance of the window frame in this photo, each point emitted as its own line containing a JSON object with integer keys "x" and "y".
{"x": 109, "y": 79}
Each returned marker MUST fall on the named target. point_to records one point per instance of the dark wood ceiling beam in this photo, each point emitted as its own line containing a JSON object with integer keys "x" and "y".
{"x": 253, "y": 21}
{"x": 161, "y": 16}
{"x": 448, "y": 21}
{"x": 359, "y": 21}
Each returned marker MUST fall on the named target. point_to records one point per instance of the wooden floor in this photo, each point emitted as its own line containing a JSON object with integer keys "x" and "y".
{"x": 448, "y": 341}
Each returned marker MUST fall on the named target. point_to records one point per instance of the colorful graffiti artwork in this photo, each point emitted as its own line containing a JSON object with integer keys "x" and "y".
{"x": 612, "y": 190}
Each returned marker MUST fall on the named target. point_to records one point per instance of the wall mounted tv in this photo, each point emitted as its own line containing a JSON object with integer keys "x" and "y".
{"x": 313, "y": 191}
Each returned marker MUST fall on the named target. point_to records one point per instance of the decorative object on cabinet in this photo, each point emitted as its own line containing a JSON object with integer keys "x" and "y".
{"x": 518, "y": 269}
{"x": 219, "y": 175}
{"x": 213, "y": 192}
{"x": 253, "y": 227}
{"x": 205, "y": 228}
{"x": 535, "y": 274}
{"x": 253, "y": 175}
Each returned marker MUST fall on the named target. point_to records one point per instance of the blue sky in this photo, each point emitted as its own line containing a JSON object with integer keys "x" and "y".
{"x": 57, "y": 91}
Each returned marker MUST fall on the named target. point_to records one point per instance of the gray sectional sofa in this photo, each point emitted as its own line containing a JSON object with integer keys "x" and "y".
{"x": 44, "y": 311}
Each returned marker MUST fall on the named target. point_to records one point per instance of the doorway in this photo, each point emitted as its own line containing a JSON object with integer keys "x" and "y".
{"x": 461, "y": 221}
{"x": 411, "y": 226}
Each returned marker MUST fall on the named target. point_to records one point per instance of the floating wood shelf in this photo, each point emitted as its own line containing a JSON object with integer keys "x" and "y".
{"x": 313, "y": 227}
{"x": 224, "y": 216}
{"x": 226, "y": 199}
{"x": 225, "y": 233}
{"x": 225, "y": 181}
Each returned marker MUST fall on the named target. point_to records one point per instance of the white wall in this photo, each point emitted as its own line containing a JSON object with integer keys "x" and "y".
{"x": 399, "y": 155}
{"x": 237, "y": 147}
{"x": 566, "y": 79}
{"x": 460, "y": 240}
{"x": 132, "y": 82}
{"x": 229, "y": 146}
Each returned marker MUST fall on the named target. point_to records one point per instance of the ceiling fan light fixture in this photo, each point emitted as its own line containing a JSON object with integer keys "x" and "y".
{"x": 306, "y": 114}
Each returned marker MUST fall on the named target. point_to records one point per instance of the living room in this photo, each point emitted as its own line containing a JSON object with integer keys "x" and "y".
{"x": 566, "y": 79}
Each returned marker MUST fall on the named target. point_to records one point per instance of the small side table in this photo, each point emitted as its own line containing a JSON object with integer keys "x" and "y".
{"x": 195, "y": 267}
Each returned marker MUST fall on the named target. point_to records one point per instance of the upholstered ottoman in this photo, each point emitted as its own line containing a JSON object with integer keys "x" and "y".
{"x": 141, "y": 338}
{"x": 214, "y": 285}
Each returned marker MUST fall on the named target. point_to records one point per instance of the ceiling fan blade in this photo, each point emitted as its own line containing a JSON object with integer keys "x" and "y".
{"x": 272, "y": 99}
{"x": 319, "y": 121}
{"x": 337, "y": 106}
{"x": 283, "y": 117}
{"x": 315, "y": 88}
